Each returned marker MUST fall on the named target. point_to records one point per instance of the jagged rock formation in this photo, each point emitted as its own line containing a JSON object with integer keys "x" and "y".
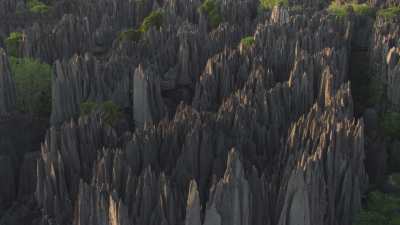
{"x": 384, "y": 55}
{"x": 65, "y": 159}
{"x": 7, "y": 7}
{"x": 84, "y": 79}
{"x": 7, "y": 86}
{"x": 279, "y": 15}
{"x": 343, "y": 172}
{"x": 147, "y": 101}
{"x": 384, "y": 87}
{"x": 230, "y": 198}
{"x": 216, "y": 131}
{"x": 193, "y": 207}
{"x": 69, "y": 36}
{"x": 195, "y": 157}
{"x": 393, "y": 92}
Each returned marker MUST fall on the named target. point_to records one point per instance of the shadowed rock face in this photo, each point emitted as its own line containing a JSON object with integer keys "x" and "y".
{"x": 393, "y": 63}
{"x": 83, "y": 79}
{"x": 7, "y": 86}
{"x": 148, "y": 105}
{"x": 212, "y": 128}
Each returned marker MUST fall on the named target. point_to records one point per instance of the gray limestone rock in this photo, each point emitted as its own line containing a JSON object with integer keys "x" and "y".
{"x": 87, "y": 79}
{"x": 393, "y": 92}
{"x": 265, "y": 134}
{"x": 325, "y": 191}
{"x": 27, "y": 175}
{"x": 230, "y": 198}
{"x": 193, "y": 206}
{"x": 8, "y": 187}
{"x": 279, "y": 15}
{"x": 7, "y": 86}
{"x": 148, "y": 105}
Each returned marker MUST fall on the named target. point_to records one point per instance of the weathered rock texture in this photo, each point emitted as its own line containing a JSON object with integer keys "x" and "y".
{"x": 316, "y": 189}
{"x": 215, "y": 131}
{"x": 385, "y": 58}
{"x": 393, "y": 82}
{"x": 85, "y": 78}
{"x": 7, "y": 86}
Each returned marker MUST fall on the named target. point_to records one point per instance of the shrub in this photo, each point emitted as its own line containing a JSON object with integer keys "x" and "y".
{"x": 391, "y": 124}
{"x": 337, "y": 10}
{"x": 384, "y": 204}
{"x": 381, "y": 210}
{"x": 370, "y": 218}
{"x": 390, "y": 12}
{"x": 110, "y": 112}
{"x": 211, "y": 8}
{"x": 40, "y": 9}
{"x": 247, "y": 41}
{"x": 359, "y": 9}
{"x": 269, "y": 4}
{"x": 37, "y": 7}
{"x": 363, "y": 9}
{"x": 33, "y": 85}
{"x": 13, "y": 43}
{"x": 87, "y": 107}
{"x": 154, "y": 19}
{"x": 130, "y": 34}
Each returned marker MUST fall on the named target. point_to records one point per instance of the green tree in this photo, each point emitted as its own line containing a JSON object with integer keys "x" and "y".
{"x": 130, "y": 34}
{"x": 269, "y": 4}
{"x": 382, "y": 209}
{"x": 390, "y": 12}
{"x": 155, "y": 19}
{"x": 247, "y": 41}
{"x": 211, "y": 8}
{"x": 342, "y": 10}
{"x": 13, "y": 43}
{"x": 110, "y": 112}
{"x": 33, "y": 85}
{"x": 37, "y": 7}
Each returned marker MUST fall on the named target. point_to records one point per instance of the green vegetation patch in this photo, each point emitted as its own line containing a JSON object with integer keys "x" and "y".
{"x": 338, "y": 10}
{"x": 391, "y": 124}
{"x": 382, "y": 209}
{"x": 13, "y": 43}
{"x": 269, "y": 4}
{"x": 37, "y": 7}
{"x": 155, "y": 19}
{"x": 211, "y": 8}
{"x": 33, "y": 85}
{"x": 390, "y": 12}
{"x": 248, "y": 41}
{"x": 395, "y": 179}
{"x": 342, "y": 10}
{"x": 111, "y": 112}
{"x": 130, "y": 34}
{"x": 363, "y": 9}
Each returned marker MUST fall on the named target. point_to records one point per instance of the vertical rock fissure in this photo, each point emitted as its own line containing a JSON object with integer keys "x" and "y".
{"x": 359, "y": 63}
